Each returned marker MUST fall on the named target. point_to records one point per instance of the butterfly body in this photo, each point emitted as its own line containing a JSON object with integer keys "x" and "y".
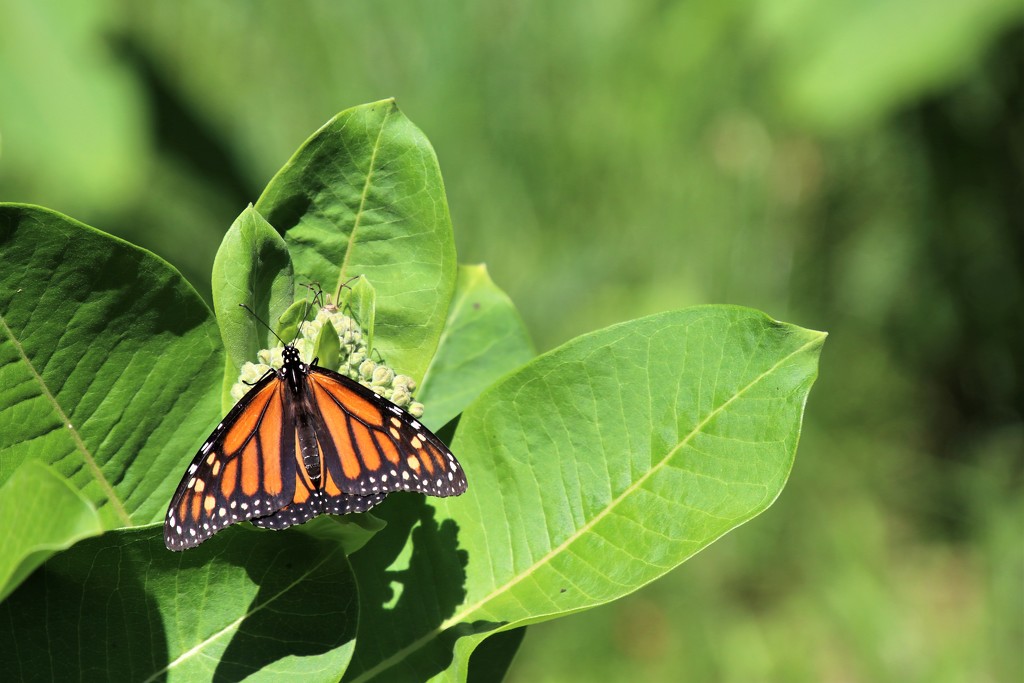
{"x": 305, "y": 441}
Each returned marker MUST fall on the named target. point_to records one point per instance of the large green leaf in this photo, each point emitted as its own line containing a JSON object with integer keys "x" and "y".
{"x": 42, "y": 515}
{"x": 491, "y": 659}
{"x": 592, "y": 471}
{"x": 359, "y": 299}
{"x": 109, "y": 363}
{"x": 483, "y": 338}
{"x": 364, "y": 196}
{"x": 256, "y": 605}
{"x": 252, "y": 268}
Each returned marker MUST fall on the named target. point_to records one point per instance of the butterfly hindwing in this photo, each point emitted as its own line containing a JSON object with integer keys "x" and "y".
{"x": 317, "y": 496}
{"x": 319, "y": 504}
{"x": 372, "y": 446}
{"x": 245, "y": 469}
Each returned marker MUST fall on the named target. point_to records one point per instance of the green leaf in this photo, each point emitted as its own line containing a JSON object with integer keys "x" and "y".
{"x": 491, "y": 658}
{"x": 252, "y": 267}
{"x": 359, "y": 300}
{"x": 110, "y": 363}
{"x": 328, "y": 346}
{"x": 593, "y": 470}
{"x": 483, "y": 339}
{"x": 264, "y": 606}
{"x": 293, "y": 316}
{"x": 364, "y": 196}
{"x": 42, "y": 514}
{"x": 351, "y": 532}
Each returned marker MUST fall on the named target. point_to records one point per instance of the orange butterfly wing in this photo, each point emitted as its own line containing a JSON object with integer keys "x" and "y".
{"x": 373, "y": 446}
{"x": 368, "y": 447}
{"x": 282, "y": 457}
{"x": 245, "y": 469}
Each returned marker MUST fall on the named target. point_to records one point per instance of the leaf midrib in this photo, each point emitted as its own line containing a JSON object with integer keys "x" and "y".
{"x": 554, "y": 552}
{"x": 231, "y": 627}
{"x": 76, "y": 437}
{"x": 362, "y": 202}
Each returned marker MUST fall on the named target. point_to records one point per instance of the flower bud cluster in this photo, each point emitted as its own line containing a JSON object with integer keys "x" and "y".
{"x": 354, "y": 359}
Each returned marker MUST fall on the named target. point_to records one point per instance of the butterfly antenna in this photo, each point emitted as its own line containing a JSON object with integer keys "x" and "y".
{"x": 343, "y": 285}
{"x": 318, "y": 293}
{"x": 260, "y": 320}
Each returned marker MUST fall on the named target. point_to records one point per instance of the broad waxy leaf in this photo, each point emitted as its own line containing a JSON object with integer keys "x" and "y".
{"x": 593, "y": 470}
{"x": 359, "y": 299}
{"x": 483, "y": 338}
{"x": 328, "y": 346}
{"x": 288, "y": 324}
{"x": 42, "y": 515}
{"x": 491, "y": 659}
{"x": 364, "y": 196}
{"x": 110, "y": 363}
{"x": 256, "y": 605}
{"x": 351, "y": 531}
{"x": 252, "y": 267}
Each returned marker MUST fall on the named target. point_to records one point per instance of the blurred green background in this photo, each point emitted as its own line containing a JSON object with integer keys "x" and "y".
{"x": 851, "y": 166}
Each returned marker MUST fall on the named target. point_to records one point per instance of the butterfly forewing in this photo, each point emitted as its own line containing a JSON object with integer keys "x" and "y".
{"x": 245, "y": 469}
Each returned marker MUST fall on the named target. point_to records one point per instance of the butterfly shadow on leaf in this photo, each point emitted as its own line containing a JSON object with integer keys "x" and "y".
{"x": 412, "y": 577}
{"x": 306, "y": 604}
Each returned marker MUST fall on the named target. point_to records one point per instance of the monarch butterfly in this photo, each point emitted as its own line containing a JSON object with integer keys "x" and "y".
{"x": 305, "y": 441}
